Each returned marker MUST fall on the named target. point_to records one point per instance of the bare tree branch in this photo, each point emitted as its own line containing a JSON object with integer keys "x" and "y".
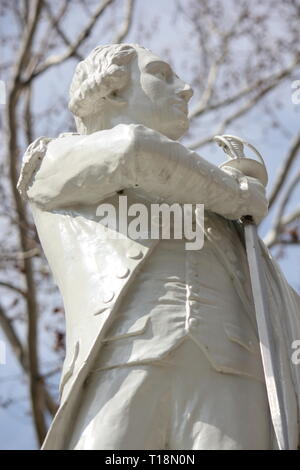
{"x": 26, "y": 42}
{"x": 291, "y": 188}
{"x": 13, "y": 340}
{"x": 279, "y": 222}
{"x": 55, "y": 25}
{"x": 212, "y": 74}
{"x": 28, "y": 116}
{"x": 272, "y": 81}
{"x": 207, "y": 94}
{"x": 126, "y": 23}
{"x": 37, "y": 392}
{"x": 292, "y": 217}
{"x": 235, "y": 115}
{"x": 280, "y": 180}
{"x": 287, "y": 242}
{"x": 206, "y": 140}
{"x": 72, "y": 49}
{"x": 20, "y": 255}
{"x": 10, "y": 286}
{"x": 22, "y": 356}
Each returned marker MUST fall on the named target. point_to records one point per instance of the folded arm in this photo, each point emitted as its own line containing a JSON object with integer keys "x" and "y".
{"x": 87, "y": 169}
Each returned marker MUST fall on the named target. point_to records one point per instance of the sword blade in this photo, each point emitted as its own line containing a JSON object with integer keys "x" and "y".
{"x": 266, "y": 338}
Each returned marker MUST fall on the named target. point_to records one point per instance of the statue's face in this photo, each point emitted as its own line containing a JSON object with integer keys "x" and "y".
{"x": 156, "y": 97}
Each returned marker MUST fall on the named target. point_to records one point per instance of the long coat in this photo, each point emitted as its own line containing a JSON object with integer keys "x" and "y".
{"x": 93, "y": 270}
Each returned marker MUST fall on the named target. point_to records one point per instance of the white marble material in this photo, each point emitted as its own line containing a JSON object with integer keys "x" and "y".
{"x": 132, "y": 306}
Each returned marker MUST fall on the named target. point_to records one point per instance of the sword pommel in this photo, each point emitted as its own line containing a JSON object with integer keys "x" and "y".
{"x": 234, "y": 147}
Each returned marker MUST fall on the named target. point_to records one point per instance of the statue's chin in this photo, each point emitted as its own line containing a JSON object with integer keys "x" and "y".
{"x": 177, "y": 130}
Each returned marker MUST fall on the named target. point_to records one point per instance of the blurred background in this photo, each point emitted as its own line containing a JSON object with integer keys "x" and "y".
{"x": 243, "y": 61}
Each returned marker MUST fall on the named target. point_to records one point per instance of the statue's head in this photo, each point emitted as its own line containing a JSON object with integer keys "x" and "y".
{"x": 126, "y": 83}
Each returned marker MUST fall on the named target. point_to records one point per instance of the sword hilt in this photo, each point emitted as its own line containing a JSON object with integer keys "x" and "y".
{"x": 234, "y": 147}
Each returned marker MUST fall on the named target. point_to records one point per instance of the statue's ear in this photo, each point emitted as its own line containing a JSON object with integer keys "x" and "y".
{"x": 116, "y": 99}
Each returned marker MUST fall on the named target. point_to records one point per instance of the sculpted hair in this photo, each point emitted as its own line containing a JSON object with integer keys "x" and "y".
{"x": 104, "y": 70}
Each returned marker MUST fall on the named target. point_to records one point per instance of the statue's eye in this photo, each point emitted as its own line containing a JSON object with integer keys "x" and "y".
{"x": 160, "y": 70}
{"x": 161, "y": 74}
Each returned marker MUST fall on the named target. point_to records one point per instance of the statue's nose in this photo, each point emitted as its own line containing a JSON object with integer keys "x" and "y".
{"x": 185, "y": 92}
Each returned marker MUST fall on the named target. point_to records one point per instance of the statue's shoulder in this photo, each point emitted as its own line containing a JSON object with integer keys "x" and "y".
{"x": 33, "y": 158}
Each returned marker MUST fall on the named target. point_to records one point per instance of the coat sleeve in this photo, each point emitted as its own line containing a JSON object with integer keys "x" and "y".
{"x": 88, "y": 169}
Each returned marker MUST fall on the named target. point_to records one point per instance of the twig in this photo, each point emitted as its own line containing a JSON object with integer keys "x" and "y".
{"x": 13, "y": 340}
{"x": 126, "y": 23}
{"x": 54, "y": 25}
{"x": 235, "y": 115}
{"x": 37, "y": 391}
{"x": 279, "y": 222}
{"x": 72, "y": 49}
{"x": 291, "y": 156}
{"x": 22, "y": 355}
{"x": 273, "y": 81}
{"x": 13, "y": 287}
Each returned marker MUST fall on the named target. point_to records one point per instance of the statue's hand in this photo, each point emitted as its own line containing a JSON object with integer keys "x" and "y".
{"x": 257, "y": 202}
{"x": 253, "y": 198}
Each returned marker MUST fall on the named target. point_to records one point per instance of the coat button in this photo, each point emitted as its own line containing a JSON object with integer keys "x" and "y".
{"x": 108, "y": 296}
{"x": 193, "y": 322}
{"x": 123, "y": 272}
{"x": 134, "y": 253}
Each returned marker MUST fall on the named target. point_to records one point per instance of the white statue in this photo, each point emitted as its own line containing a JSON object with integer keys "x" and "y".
{"x": 162, "y": 349}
